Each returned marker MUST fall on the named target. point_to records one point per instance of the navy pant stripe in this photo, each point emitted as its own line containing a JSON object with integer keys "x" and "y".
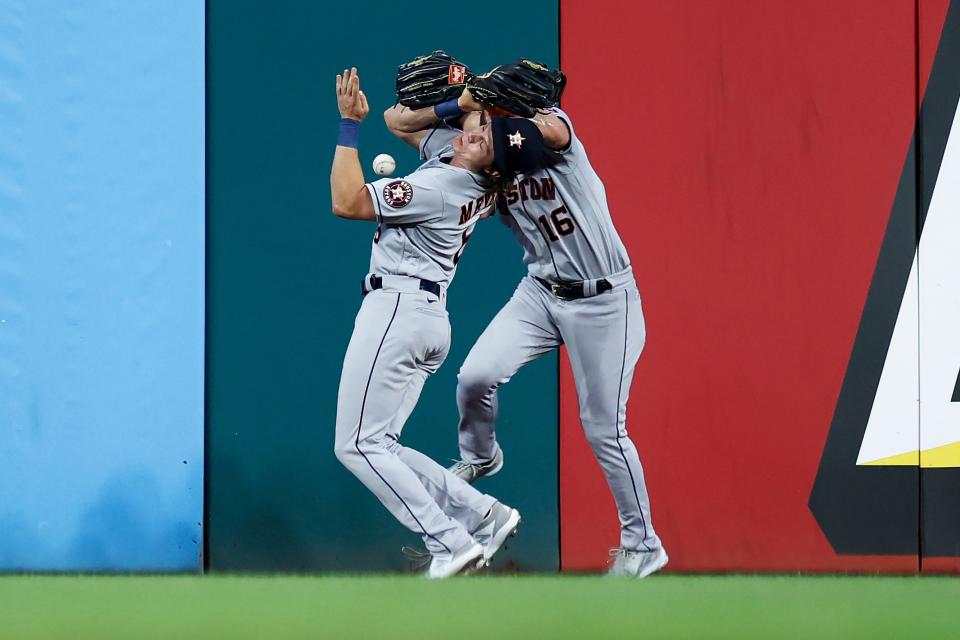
{"x": 623, "y": 367}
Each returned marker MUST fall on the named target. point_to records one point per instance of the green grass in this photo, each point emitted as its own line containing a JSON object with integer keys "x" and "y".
{"x": 487, "y": 607}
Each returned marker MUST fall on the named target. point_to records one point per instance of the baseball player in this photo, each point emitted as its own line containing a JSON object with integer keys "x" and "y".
{"x": 579, "y": 291}
{"x": 402, "y": 332}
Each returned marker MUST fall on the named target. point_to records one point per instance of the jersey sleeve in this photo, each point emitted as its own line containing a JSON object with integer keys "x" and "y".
{"x": 438, "y": 140}
{"x": 573, "y": 136}
{"x": 565, "y": 160}
{"x": 414, "y": 199}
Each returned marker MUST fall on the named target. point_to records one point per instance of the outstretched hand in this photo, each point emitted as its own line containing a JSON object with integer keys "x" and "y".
{"x": 350, "y": 99}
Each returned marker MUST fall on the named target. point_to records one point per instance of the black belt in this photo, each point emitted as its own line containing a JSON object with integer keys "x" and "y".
{"x": 376, "y": 282}
{"x": 573, "y": 290}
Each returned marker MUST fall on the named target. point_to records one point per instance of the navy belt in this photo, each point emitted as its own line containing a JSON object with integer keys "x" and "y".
{"x": 376, "y": 282}
{"x": 574, "y": 290}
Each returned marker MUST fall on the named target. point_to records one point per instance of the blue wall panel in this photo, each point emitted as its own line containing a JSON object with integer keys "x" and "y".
{"x": 101, "y": 284}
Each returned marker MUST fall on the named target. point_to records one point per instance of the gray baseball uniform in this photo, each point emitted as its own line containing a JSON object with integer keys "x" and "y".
{"x": 560, "y": 217}
{"x": 401, "y": 336}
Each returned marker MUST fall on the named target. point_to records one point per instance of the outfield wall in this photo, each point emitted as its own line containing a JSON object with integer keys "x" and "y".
{"x": 101, "y": 285}
{"x": 785, "y": 176}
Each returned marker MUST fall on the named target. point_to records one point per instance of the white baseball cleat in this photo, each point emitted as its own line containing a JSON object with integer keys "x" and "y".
{"x": 501, "y": 523}
{"x": 464, "y": 560}
{"x": 469, "y": 472}
{"x": 637, "y": 564}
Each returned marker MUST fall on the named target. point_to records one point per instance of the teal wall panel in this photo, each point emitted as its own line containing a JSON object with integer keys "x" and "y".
{"x": 283, "y": 285}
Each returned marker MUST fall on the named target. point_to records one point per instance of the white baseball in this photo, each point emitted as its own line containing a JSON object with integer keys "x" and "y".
{"x": 384, "y": 164}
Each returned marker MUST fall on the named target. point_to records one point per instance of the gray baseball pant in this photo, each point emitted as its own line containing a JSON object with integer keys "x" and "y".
{"x": 604, "y": 335}
{"x": 399, "y": 339}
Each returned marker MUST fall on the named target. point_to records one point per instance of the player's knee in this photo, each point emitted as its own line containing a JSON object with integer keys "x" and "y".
{"x": 351, "y": 449}
{"x": 599, "y": 436}
{"x": 346, "y": 452}
{"x": 475, "y": 380}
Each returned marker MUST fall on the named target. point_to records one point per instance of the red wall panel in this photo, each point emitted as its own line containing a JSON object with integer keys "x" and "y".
{"x": 751, "y": 152}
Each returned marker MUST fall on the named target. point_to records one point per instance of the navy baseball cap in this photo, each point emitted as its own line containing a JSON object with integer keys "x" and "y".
{"x": 517, "y": 146}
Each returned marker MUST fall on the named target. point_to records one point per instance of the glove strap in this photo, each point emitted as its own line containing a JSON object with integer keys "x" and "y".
{"x": 349, "y": 133}
{"x": 448, "y": 110}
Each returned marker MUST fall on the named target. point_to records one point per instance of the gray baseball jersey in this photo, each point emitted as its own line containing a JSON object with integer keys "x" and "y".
{"x": 425, "y": 220}
{"x": 401, "y": 336}
{"x": 559, "y": 214}
{"x": 561, "y": 218}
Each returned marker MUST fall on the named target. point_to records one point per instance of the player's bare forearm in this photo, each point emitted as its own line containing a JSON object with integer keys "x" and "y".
{"x": 412, "y": 125}
{"x": 408, "y": 128}
{"x": 347, "y": 187}
{"x": 401, "y": 119}
{"x": 556, "y": 134}
{"x": 350, "y": 197}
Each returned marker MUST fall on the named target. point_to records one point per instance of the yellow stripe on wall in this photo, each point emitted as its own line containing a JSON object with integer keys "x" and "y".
{"x": 909, "y": 459}
{"x": 947, "y": 455}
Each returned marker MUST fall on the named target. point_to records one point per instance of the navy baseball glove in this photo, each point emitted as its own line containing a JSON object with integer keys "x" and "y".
{"x": 520, "y": 88}
{"x": 431, "y": 79}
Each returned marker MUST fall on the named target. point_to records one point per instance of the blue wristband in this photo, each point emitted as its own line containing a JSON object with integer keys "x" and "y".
{"x": 349, "y": 133}
{"x": 449, "y": 109}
